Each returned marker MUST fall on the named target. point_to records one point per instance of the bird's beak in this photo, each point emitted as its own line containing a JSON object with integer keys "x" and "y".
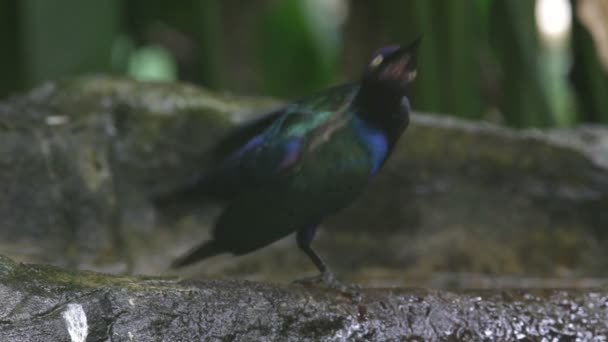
{"x": 401, "y": 64}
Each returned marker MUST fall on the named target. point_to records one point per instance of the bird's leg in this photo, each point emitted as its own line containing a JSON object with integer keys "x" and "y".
{"x": 304, "y": 238}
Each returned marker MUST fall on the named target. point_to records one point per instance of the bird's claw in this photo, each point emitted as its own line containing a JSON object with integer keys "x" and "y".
{"x": 327, "y": 279}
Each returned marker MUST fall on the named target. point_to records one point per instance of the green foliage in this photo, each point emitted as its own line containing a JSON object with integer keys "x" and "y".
{"x": 67, "y": 37}
{"x": 513, "y": 37}
{"x": 152, "y": 63}
{"x": 449, "y": 55}
{"x": 479, "y": 59}
{"x": 289, "y": 54}
{"x": 588, "y": 78}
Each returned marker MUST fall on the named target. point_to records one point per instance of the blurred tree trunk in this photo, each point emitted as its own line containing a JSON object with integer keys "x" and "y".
{"x": 11, "y": 67}
{"x": 209, "y": 34}
{"x": 514, "y": 39}
{"x": 589, "y": 79}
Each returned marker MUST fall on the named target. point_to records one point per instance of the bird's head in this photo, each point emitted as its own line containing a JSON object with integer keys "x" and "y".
{"x": 392, "y": 68}
{"x": 382, "y": 97}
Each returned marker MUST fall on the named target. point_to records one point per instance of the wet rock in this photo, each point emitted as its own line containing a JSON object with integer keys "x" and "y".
{"x": 44, "y": 303}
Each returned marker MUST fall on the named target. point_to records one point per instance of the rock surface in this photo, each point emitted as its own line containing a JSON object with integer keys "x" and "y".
{"x": 44, "y": 303}
{"x": 80, "y": 158}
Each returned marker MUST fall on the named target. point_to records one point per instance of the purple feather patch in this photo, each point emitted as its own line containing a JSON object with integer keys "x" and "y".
{"x": 375, "y": 143}
{"x": 292, "y": 153}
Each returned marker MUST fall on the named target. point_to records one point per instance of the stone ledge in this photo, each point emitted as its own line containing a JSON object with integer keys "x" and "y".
{"x": 50, "y": 304}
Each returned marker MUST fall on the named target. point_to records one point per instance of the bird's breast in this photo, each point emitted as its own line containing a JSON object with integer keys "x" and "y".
{"x": 375, "y": 143}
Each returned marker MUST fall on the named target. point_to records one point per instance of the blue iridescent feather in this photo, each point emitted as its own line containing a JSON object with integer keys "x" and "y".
{"x": 374, "y": 141}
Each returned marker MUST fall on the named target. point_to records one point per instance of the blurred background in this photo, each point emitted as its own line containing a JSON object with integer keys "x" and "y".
{"x": 540, "y": 63}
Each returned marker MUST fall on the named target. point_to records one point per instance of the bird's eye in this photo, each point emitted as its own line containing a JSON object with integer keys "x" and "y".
{"x": 376, "y": 61}
{"x": 412, "y": 75}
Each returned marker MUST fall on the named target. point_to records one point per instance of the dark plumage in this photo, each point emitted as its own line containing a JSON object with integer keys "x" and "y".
{"x": 287, "y": 171}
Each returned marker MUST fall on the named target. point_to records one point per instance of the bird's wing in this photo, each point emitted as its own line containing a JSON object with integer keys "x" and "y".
{"x": 330, "y": 100}
{"x": 280, "y": 143}
{"x": 267, "y": 157}
{"x": 246, "y": 157}
{"x": 240, "y": 135}
{"x": 264, "y": 150}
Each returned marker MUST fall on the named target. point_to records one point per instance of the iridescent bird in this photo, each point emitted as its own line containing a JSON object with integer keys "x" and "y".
{"x": 288, "y": 170}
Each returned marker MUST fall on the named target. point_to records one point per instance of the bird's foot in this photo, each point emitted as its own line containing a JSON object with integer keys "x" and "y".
{"x": 327, "y": 279}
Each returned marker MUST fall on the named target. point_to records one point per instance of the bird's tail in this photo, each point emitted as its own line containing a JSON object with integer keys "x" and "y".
{"x": 204, "y": 251}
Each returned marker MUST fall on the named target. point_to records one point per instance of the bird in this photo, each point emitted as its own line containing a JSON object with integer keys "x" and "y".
{"x": 286, "y": 171}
